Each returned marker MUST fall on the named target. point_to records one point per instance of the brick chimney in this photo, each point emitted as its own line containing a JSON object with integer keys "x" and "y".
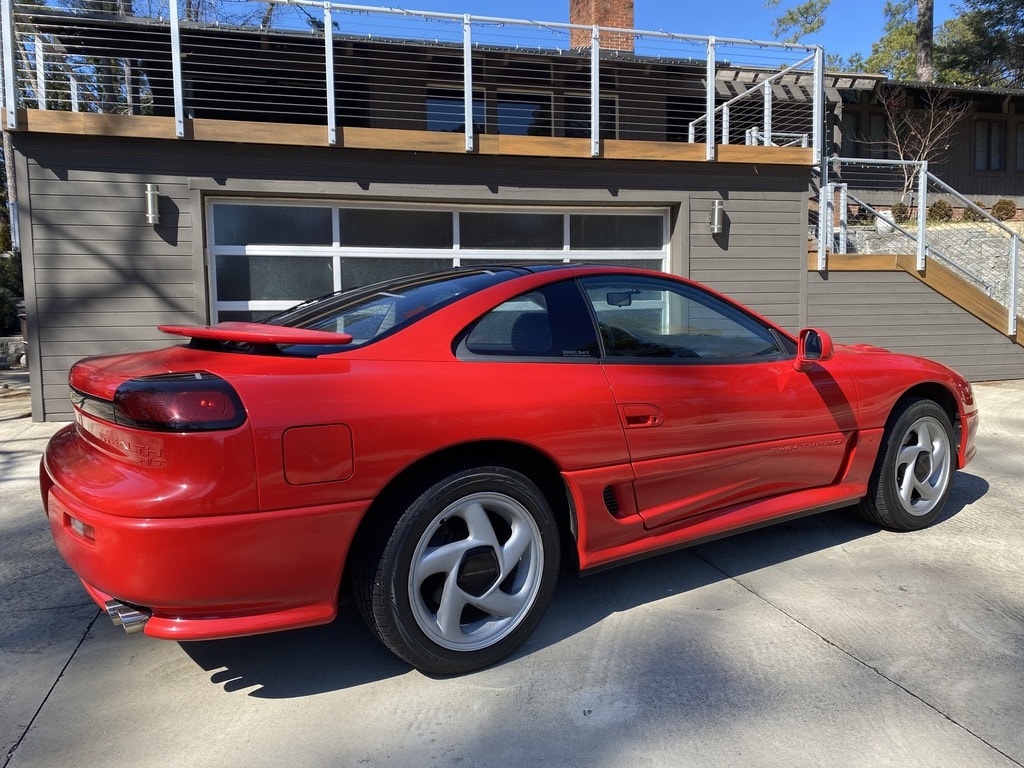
{"x": 603, "y": 13}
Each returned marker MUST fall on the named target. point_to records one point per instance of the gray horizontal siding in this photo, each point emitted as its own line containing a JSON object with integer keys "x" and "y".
{"x": 101, "y": 277}
{"x": 97, "y": 334}
{"x": 123, "y": 250}
{"x": 101, "y": 320}
{"x": 76, "y": 350}
{"x": 758, "y": 259}
{"x": 125, "y": 262}
{"x": 96, "y": 222}
{"x": 141, "y": 283}
{"x": 78, "y": 276}
{"x": 896, "y": 311}
{"x": 165, "y": 307}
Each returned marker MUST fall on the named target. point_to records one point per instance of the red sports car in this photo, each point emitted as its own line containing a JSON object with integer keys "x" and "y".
{"x": 438, "y": 443}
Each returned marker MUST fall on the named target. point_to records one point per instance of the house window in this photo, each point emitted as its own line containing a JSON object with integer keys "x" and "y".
{"x": 989, "y": 141}
{"x": 849, "y": 131}
{"x": 524, "y": 114}
{"x": 266, "y": 256}
{"x": 577, "y": 117}
{"x": 681, "y": 109}
{"x": 446, "y": 111}
{"x": 878, "y": 137}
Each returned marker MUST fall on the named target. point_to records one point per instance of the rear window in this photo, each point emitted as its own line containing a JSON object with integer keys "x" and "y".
{"x": 370, "y": 313}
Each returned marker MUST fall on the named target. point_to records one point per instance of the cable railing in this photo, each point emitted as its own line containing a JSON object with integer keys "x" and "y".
{"x": 344, "y": 66}
{"x": 879, "y": 206}
{"x": 763, "y": 123}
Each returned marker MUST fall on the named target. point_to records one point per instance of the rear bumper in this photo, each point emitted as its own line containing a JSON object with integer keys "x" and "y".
{"x": 212, "y": 628}
{"x": 210, "y": 577}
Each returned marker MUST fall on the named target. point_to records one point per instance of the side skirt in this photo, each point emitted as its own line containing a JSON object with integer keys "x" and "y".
{"x": 719, "y": 524}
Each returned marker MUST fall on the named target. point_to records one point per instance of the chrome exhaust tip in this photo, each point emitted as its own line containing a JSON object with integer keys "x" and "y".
{"x": 127, "y": 617}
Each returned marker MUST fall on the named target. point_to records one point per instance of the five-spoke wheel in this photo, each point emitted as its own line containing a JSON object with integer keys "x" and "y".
{"x": 466, "y": 573}
{"x": 476, "y": 571}
{"x": 914, "y": 473}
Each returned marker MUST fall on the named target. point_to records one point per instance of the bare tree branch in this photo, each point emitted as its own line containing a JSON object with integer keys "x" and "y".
{"x": 923, "y": 130}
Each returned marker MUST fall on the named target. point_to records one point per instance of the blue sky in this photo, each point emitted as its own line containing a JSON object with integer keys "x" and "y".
{"x": 851, "y": 25}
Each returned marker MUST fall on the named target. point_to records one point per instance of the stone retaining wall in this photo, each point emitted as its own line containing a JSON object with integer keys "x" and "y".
{"x": 12, "y": 351}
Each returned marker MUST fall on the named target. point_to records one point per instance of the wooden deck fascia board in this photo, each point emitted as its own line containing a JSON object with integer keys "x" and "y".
{"x": 393, "y": 139}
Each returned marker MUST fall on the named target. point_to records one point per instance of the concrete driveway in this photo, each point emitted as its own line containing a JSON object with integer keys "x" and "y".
{"x": 822, "y": 642}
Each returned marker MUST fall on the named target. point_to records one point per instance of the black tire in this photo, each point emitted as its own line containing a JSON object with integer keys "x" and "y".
{"x": 465, "y": 574}
{"x": 910, "y": 484}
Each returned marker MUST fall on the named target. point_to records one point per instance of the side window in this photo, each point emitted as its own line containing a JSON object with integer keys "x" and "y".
{"x": 650, "y": 318}
{"x": 551, "y": 322}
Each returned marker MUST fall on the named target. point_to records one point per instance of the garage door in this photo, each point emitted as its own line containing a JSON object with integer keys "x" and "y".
{"x": 267, "y": 255}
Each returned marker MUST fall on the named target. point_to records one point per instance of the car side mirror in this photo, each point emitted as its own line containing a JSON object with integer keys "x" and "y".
{"x": 813, "y": 346}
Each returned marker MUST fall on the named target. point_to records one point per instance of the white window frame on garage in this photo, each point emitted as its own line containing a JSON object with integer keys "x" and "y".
{"x": 456, "y": 255}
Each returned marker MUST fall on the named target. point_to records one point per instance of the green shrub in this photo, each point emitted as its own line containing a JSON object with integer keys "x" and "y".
{"x": 940, "y": 210}
{"x": 972, "y": 215}
{"x": 900, "y": 212}
{"x": 1004, "y": 209}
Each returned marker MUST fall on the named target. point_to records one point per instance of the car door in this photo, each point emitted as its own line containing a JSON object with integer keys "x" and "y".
{"x": 714, "y": 413}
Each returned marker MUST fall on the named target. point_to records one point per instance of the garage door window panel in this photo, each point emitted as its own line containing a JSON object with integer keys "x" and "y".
{"x": 266, "y": 256}
{"x": 385, "y": 228}
{"x": 247, "y": 278}
{"x": 362, "y": 271}
{"x": 271, "y": 225}
{"x": 614, "y": 232}
{"x": 521, "y": 231}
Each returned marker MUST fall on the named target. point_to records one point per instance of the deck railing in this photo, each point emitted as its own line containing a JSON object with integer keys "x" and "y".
{"x": 878, "y": 206}
{"x": 335, "y": 65}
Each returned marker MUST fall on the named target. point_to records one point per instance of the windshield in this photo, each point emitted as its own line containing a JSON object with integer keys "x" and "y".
{"x": 370, "y": 313}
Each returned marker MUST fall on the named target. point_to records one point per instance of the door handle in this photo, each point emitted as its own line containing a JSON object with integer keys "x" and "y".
{"x": 641, "y": 415}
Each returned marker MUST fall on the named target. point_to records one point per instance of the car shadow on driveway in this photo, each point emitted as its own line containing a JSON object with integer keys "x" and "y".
{"x": 300, "y": 662}
{"x": 345, "y": 654}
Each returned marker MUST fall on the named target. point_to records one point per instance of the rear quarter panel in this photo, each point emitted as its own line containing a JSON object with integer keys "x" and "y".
{"x": 398, "y": 412}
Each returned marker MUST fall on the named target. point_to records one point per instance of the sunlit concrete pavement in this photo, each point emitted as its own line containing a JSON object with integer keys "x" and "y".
{"x": 822, "y": 642}
{"x": 14, "y": 393}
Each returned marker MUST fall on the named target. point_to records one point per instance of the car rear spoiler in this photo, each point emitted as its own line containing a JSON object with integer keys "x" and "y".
{"x": 257, "y": 333}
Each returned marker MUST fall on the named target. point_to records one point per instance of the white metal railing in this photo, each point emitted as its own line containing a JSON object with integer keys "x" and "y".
{"x": 890, "y": 206}
{"x": 765, "y": 133}
{"x": 340, "y": 65}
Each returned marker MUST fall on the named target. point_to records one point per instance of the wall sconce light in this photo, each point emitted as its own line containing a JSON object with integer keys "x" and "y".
{"x": 152, "y": 204}
{"x": 717, "y": 217}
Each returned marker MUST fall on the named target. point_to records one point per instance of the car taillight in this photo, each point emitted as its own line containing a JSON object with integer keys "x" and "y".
{"x": 180, "y": 402}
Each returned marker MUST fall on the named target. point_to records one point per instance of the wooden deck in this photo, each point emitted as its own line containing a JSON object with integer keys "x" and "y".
{"x": 249, "y": 132}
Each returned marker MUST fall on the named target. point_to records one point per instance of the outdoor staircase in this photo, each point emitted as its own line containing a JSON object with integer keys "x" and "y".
{"x": 971, "y": 263}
